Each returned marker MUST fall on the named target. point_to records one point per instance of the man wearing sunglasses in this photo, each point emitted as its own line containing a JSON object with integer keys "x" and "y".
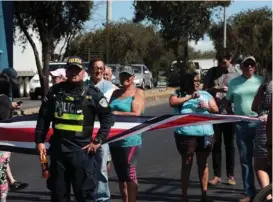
{"x": 241, "y": 92}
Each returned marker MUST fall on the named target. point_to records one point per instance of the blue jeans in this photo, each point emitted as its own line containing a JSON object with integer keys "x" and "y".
{"x": 103, "y": 192}
{"x": 245, "y": 133}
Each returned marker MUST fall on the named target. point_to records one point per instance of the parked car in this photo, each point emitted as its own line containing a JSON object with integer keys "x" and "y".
{"x": 35, "y": 85}
{"x": 143, "y": 76}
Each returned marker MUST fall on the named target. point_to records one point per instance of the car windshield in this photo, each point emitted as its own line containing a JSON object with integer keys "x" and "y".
{"x": 53, "y": 67}
{"x": 137, "y": 69}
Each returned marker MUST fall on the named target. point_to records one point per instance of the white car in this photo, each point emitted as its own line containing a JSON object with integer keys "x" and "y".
{"x": 35, "y": 87}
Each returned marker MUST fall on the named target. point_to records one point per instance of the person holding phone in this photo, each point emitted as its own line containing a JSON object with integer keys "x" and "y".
{"x": 8, "y": 80}
{"x": 197, "y": 139}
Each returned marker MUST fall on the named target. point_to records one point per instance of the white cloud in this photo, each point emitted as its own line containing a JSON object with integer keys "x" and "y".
{"x": 202, "y": 45}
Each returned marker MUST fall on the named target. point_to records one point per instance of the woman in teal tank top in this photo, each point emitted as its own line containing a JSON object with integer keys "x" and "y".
{"x": 196, "y": 139}
{"x": 128, "y": 101}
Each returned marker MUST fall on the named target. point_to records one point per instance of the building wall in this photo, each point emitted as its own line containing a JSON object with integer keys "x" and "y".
{"x": 8, "y": 23}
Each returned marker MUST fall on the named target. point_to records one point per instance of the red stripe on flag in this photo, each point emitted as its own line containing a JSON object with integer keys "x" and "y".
{"x": 28, "y": 134}
{"x": 185, "y": 120}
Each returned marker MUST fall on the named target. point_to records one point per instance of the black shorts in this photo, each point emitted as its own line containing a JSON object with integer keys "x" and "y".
{"x": 125, "y": 160}
{"x": 191, "y": 144}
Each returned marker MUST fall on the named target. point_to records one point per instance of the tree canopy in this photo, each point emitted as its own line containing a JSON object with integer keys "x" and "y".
{"x": 248, "y": 33}
{"x": 179, "y": 21}
{"x": 130, "y": 43}
{"x": 52, "y": 21}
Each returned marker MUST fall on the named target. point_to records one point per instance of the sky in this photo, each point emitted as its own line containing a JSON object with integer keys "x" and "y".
{"x": 124, "y": 10}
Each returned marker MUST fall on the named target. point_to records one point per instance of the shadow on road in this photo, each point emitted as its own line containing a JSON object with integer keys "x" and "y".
{"x": 159, "y": 189}
{"x": 155, "y": 193}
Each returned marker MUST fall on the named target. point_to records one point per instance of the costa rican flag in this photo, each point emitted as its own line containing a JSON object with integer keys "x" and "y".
{"x": 17, "y": 134}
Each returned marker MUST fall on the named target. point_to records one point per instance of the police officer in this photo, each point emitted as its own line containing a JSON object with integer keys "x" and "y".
{"x": 71, "y": 107}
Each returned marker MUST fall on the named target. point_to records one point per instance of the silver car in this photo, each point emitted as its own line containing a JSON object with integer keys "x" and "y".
{"x": 143, "y": 76}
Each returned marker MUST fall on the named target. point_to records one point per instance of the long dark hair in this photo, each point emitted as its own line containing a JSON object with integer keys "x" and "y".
{"x": 187, "y": 85}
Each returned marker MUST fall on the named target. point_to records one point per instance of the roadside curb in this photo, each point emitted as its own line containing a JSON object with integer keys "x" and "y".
{"x": 160, "y": 97}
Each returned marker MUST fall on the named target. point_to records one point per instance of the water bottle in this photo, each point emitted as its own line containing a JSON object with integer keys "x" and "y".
{"x": 45, "y": 167}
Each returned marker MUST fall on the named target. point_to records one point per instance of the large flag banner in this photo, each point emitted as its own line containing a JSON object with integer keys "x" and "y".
{"x": 17, "y": 134}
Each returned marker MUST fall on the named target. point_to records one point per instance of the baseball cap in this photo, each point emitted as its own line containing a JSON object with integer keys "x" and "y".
{"x": 61, "y": 72}
{"x": 127, "y": 69}
{"x": 12, "y": 74}
{"x": 249, "y": 58}
{"x": 75, "y": 61}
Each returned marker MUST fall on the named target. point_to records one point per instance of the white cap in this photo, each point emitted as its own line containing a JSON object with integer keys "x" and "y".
{"x": 61, "y": 72}
{"x": 249, "y": 58}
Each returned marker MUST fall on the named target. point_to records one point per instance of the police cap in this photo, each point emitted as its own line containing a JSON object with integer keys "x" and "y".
{"x": 75, "y": 61}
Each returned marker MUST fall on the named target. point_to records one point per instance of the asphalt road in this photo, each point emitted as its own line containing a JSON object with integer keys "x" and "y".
{"x": 158, "y": 172}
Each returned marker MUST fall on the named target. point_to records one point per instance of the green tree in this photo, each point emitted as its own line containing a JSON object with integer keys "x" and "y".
{"x": 179, "y": 21}
{"x": 248, "y": 32}
{"x": 51, "y": 21}
{"x": 129, "y": 43}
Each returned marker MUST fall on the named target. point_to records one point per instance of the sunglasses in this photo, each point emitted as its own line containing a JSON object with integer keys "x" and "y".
{"x": 249, "y": 64}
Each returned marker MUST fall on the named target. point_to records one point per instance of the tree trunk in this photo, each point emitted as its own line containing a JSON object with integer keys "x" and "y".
{"x": 34, "y": 48}
{"x": 46, "y": 58}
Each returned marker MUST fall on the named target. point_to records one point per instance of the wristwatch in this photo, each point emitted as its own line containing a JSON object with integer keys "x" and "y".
{"x": 97, "y": 140}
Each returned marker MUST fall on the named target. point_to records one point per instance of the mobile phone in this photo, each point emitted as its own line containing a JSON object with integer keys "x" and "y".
{"x": 19, "y": 103}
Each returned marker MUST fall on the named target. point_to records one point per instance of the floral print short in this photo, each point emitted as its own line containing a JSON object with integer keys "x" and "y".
{"x": 4, "y": 186}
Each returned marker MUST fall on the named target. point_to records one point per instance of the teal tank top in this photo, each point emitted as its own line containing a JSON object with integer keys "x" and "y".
{"x": 125, "y": 105}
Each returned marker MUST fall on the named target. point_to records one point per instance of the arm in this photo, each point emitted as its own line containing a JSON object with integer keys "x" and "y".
{"x": 209, "y": 105}
{"x": 213, "y": 108}
{"x": 105, "y": 117}
{"x": 137, "y": 105}
{"x": 257, "y": 99}
{"x": 45, "y": 117}
{"x": 176, "y": 101}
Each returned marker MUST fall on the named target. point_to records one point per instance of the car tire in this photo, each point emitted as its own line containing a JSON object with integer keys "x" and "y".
{"x": 150, "y": 86}
{"x": 143, "y": 85}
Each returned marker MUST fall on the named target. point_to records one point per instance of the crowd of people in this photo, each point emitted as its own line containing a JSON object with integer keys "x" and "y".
{"x": 84, "y": 162}
{"x": 226, "y": 91}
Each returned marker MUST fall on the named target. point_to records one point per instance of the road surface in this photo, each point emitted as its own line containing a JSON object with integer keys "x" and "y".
{"x": 158, "y": 172}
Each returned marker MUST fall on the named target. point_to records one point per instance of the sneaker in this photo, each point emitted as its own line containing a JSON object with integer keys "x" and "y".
{"x": 246, "y": 199}
{"x": 215, "y": 181}
{"x": 231, "y": 181}
{"x": 17, "y": 186}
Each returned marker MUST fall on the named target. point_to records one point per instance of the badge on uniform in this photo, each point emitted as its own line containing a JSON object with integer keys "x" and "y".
{"x": 88, "y": 97}
{"x": 103, "y": 103}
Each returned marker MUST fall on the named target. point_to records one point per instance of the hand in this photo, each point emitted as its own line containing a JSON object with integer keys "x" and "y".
{"x": 91, "y": 147}
{"x": 41, "y": 149}
{"x": 225, "y": 89}
{"x": 14, "y": 105}
{"x": 263, "y": 118}
{"x": 195, "y": 95}
{"x": 204, "y": 105}
{"x": 115, "y": 112}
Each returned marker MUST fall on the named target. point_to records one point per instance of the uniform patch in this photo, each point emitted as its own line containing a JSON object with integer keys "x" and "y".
{"x": 45, "y": 99}
{"x": 88, "y": 97}
{"x": 103, "y": 102}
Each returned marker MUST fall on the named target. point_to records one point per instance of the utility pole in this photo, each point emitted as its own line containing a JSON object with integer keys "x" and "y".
{"x": 108, "y": 20}
{"x": 225, "y": 29}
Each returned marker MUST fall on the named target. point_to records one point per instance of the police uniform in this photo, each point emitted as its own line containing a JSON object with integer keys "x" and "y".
{"x": 72, "y": 109}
